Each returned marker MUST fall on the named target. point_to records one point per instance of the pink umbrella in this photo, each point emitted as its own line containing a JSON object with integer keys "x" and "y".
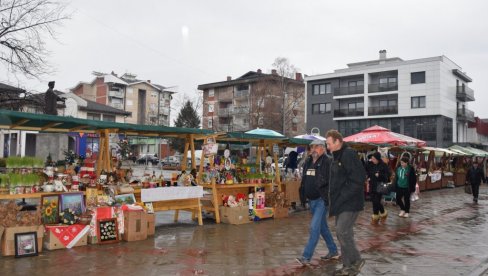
{"x": 380, "y": 135}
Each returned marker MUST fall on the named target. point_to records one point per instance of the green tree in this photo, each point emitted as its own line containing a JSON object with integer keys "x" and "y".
{"x": 188, "y": 118}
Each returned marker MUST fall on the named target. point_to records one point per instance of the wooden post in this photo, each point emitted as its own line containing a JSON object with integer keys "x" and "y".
{"x": 192, "y": 148}
{"x": 185, "y": 152}
{"x": 100, "y": 153}
{"x": 200, "y": 170}
{"x": 108, "y": 157}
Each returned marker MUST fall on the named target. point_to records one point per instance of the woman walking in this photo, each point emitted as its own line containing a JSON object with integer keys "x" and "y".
{"x": 404, "y": 183}
{"x": 378, "y": 172}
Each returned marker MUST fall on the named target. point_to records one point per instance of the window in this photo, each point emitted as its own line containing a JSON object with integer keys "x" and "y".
{"x": 109, "y": 118}
{"x": 352, "y": 84}
{"x": 321, "y": 89}
{"x": 211, "y": 93}
{"x": 418, "y": 102}
{"x": 417, "y": 77}
{"x": 210, "y": 123}
{"x": 93, "y": 116}
{"x": 321, "y": 108}
{"x": 210, "y": 108}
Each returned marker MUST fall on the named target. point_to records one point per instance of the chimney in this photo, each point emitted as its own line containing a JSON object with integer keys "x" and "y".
{"x": 273, "y": 72}
{"x": 298, "y": 76}
{"x": 229, "y": 78}
{"x": 382, "y": 54}
{"x": 148, "y": 81}
{"x": 259, "y": 71}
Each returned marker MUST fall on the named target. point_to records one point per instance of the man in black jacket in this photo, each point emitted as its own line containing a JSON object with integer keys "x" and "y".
{"x": 474, "y": 177}
{"x": 315, "y": 186}
{"x": 346, "y": 197}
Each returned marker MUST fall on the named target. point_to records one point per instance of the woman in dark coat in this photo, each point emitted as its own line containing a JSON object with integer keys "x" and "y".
{"x": 377, "y": 172}
{"x": 404, "y": 183}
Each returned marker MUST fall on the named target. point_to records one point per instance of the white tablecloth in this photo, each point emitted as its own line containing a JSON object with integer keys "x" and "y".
{"x": 171, "y": 193}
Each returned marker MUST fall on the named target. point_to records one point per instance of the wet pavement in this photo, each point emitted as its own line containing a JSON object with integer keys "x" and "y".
{"x": 446, "y": 235}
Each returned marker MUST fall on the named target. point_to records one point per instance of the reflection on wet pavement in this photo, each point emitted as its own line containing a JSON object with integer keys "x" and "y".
{"x": 445, "y": 235}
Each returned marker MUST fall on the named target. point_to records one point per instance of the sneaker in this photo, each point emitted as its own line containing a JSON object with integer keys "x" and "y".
{"x": 401, "y": 213}
{"x": 357, "y": 266}
{"x": 330, "y": 256}
{"x": 405, "y": 215}
{"x": 303, "y": 261}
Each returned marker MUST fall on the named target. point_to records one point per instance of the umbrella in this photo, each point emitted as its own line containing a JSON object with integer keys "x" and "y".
{"x": 381, "y": 136}
{"x": 310, "y": 137}
{"x": 264, "y": 131}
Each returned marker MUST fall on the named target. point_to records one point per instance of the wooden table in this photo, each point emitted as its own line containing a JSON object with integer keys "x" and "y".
{"x": 212, "y": 203}
{"x": 186, "y": 204}
{"x": 31, "y": 195}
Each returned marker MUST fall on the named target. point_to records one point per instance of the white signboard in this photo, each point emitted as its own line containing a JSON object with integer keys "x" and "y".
{"x": 276, "y": 149}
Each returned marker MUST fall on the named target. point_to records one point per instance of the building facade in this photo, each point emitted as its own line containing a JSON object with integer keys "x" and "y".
{"x": 255, "y": 100}
{"x": 424, "y": 98}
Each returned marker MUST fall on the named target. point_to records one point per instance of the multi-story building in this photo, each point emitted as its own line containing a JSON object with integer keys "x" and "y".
{"x": 148, "y": 103}
{"x": 255, "y": 100}
{"x": 425, "y": 98}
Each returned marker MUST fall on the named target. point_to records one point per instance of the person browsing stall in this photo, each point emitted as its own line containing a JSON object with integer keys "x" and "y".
{"x": 315, "y": 187}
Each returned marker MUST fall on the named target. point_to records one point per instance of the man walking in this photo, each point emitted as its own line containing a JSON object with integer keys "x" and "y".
{"x": 474, "y": 176}
{"x": 346, "y": 195}
{"x": 314, "y": 186}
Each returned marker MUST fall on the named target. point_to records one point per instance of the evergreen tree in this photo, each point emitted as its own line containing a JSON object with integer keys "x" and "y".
{"x": 188, "y": 117}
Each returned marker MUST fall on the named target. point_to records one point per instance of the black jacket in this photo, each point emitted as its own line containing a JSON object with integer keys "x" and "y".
{"x": 412, "y": 179}
{"x": 347, "y": 178}
{"x": 320, "y": 185}
{"x": 384, "y": 175}
{"x": 475, "y": 176}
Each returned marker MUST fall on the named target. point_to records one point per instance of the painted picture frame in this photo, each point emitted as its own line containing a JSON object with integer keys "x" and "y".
{"x": 50, "y": 209}
{"x": 91, "y": 197}
{"x": 26, "y": 244}
{"x": 150, "y": 207}
{"x": 107, "y": 231}
{"x": 73, "y": 201}
{"x": 125, "y": 199}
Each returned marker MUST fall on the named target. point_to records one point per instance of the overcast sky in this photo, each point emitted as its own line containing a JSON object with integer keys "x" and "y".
{"x": 186, "y": 43}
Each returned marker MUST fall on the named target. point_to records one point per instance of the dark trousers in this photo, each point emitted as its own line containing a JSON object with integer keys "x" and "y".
{"x": 377, "y": 206}
{"x": 403, "y": 199}
{"x": 476, "y": 190}
{"x": 345, "y": 234}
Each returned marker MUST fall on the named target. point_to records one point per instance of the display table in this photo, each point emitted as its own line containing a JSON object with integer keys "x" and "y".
{"x": 173, "y": 198}
{"x": 212, "y": 202}
{"x": 31, "y": 195}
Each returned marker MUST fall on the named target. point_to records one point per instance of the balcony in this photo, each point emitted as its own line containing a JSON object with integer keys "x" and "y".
{"x": 464, "y": 93}
{"x": 344, "y": 112}
{"x": 117, "y": 105}
{"x": 225, "y": 112}
{"x": 116, "y": 94}
{"x": 382, "y": 87}
{"x": 241, "y": 94}
{"x": 348, "y": 90}
{"x": 465, "y": 115}
{"x": 382, "y": 110}
{"x": 238, "y": 110}
{"x": 165, "y": 111}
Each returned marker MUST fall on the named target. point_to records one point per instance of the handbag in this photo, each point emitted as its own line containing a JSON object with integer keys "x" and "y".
{"x": 468, "y": 189}
{"x": 383, "y": 188}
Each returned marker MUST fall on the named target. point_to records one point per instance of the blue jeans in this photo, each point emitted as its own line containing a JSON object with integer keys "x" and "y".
{"x": 318, "y": 227}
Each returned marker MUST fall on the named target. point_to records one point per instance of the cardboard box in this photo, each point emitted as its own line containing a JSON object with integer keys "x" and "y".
{"x": 266, "y": 212}
{"x": 135, "y": 226}
{"x": 51, "y": 242}
{"x": 151, "y": 224}
{"x": 8, "y": 239}
{"x": 280, "y": 212}
{"x": 234, "y": 215}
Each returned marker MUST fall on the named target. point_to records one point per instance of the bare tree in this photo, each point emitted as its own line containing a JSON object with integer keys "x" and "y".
{"x": 292, "y": 94}
{"x": 24, "y": 27}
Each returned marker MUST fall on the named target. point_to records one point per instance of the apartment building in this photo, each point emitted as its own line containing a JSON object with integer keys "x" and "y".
{"x": 148, "y": 103}
{"x": 254, "y": 100}
{"x": 426, "y": 98}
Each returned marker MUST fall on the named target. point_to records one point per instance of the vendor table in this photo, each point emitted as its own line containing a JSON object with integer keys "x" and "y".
{"x": 31, "y": 195}
{"x": 219, "y": 190}
{"x": 173, "y": 198}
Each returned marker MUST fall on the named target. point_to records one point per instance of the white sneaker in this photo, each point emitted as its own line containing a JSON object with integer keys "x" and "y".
{"x": 405, "y": 215}
{"x": 401, "y": 213}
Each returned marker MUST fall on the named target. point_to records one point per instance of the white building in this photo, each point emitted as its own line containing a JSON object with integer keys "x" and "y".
{"x": 424, "y": 98}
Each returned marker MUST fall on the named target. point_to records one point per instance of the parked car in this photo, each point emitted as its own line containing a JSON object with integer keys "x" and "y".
{"x": 171, "y": 161}
{"x": 280, "y": 163}
{"x": 148, "y": 158}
